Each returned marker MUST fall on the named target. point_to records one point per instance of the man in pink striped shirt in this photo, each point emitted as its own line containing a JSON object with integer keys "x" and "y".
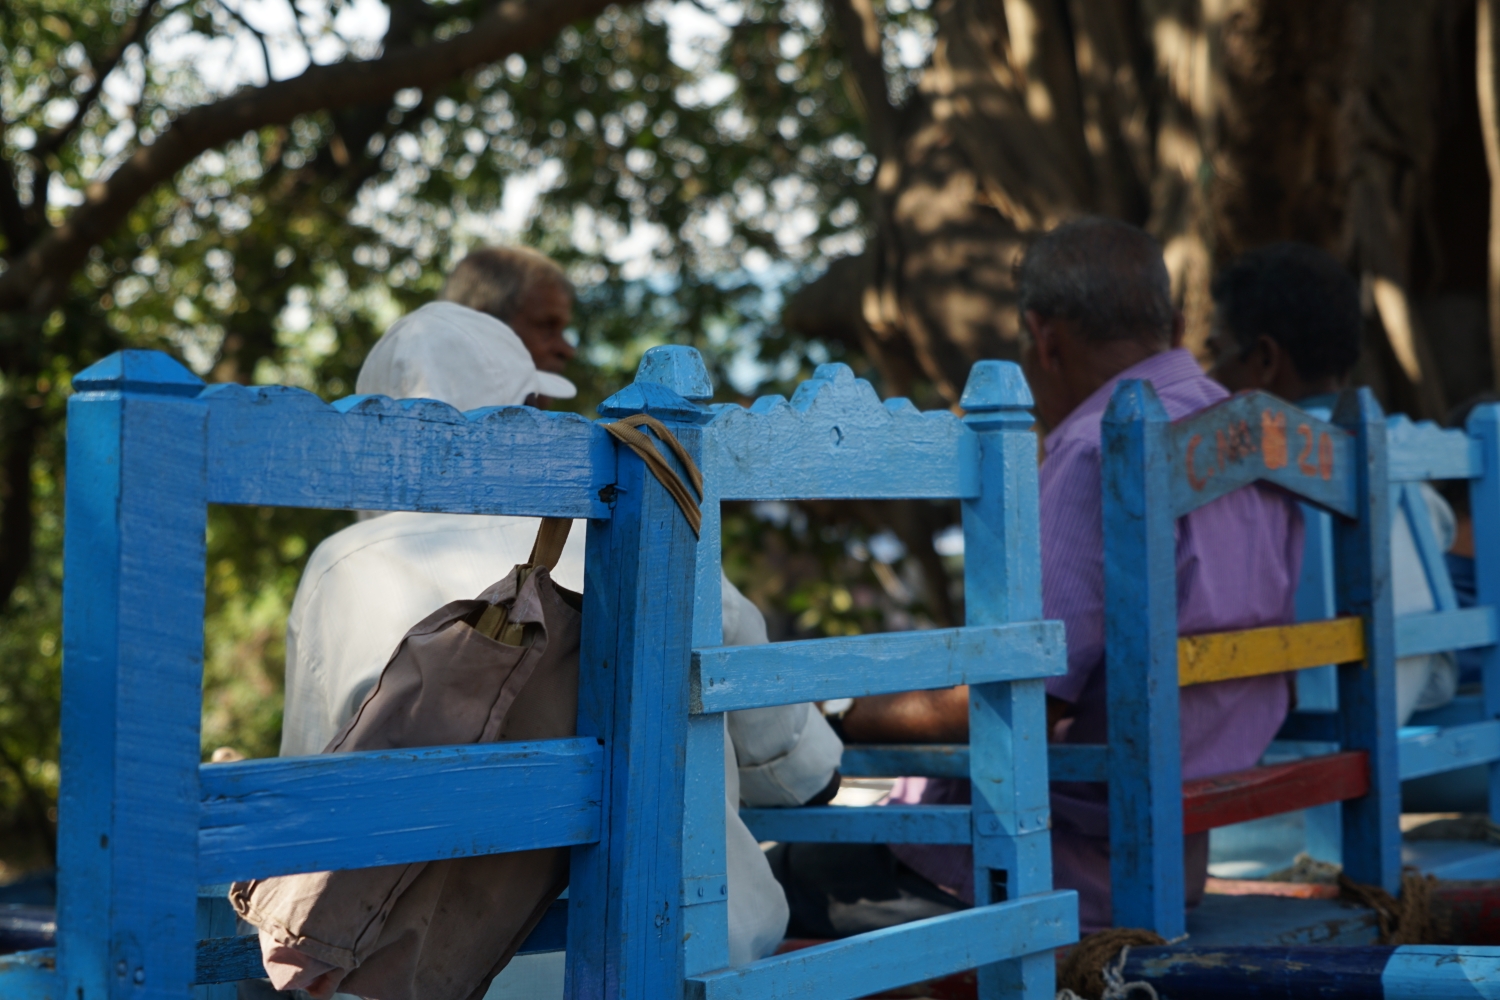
{"x": 1096, "y": 307}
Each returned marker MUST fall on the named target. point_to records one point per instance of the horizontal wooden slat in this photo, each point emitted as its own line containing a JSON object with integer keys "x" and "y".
{"x": 1077, "y": 762}
{"x": 1423, "y": 452}
{"x": 1441, "y": 631}
{"x": 231, "y": 959}
{"x": 355, "y": 810}
{"x": 1449, "y": 749}
{"x": 283, "y": 447}
{"x": 928, "y": 760}
{"x": 729, "y": 678}
{"x": 879, "y": 960}
{"x": 861, "y": 824}
{"x": 837, "y": 439}
{"x": 1210, "y": 803}
{"x": 1255, "y": 652}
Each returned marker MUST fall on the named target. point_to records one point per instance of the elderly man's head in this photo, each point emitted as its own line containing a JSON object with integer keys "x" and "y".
{"x": 524, "y": 289}
{"x": 1095, "y": 299}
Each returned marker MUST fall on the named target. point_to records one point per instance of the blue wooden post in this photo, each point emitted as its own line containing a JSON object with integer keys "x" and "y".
{"x": 626, "y": 929}
{"x": 705, "y": 879}
{"x": 132, "y": 680}
{"x": 1484, "y": 503}
{"x": 1007, "y": 720}
{"x": 1317, "y": 687}
{"x": 1367, "y": 691}
{"x": 1140, "y": 613}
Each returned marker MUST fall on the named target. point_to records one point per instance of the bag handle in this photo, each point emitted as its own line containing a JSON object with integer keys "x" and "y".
{"x": 626, "y": 433}
{"x": 550, "y": 539}
{"x": 551, "y": 536}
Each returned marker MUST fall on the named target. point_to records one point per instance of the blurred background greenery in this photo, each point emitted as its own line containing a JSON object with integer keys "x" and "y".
{"x": 260, "y": 187}
{"x": 690, "y": 166}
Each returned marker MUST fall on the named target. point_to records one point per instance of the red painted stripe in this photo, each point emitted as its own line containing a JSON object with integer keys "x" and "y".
{"x": 1268, "y": 791}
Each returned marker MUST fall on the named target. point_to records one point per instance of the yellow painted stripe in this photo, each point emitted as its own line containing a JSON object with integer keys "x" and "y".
{"x": 1221, "y": 656}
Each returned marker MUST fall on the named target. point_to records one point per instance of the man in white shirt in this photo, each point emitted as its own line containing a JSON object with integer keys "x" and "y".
{"x": 366, "y": 585}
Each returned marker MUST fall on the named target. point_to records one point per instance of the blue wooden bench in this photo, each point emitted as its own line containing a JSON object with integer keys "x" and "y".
{"x": 638, "y": 793}
{"x": 1156, "y": 471}
{"x": 1466, "y": 732}
{"x": 1330, "y": 466}
{"x": 834, "y": 440}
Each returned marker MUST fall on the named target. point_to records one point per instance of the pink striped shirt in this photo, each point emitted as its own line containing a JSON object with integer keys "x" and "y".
{"x": 1238, "y": 560}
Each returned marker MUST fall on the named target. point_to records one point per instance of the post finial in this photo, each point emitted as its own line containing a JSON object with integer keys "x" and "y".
{"x": 995, "y": 385}
{"x": 680, "y": 369}
{"x": 147, "y": 372}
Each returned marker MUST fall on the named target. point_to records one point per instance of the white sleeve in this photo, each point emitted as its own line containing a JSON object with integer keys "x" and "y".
{"x": 758, "y": 910}
{"x": 786, "y": 753}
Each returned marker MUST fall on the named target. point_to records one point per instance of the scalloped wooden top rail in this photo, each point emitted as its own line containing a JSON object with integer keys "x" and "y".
{"x": 1222, "y": 656}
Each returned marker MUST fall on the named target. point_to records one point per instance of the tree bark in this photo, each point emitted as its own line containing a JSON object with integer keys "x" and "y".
{"x": 1487, "y": 65}
{"x": 1219, "y": 127}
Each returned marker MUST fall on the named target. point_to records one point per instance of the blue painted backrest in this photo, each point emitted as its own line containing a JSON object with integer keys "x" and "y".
{"x": 142, "y": 824}
{"x": 1424, "y": 453}
{"x": 1156, "y": 471}
{"x": 835, "y": 439}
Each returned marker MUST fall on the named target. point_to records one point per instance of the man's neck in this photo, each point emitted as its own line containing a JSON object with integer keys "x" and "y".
{"x": 1108, "y": 361}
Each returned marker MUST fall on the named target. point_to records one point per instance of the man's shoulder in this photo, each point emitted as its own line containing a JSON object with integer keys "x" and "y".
{"x": 358, "y": 549}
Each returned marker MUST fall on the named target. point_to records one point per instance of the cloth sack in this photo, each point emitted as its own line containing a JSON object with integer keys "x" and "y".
{"x": 437, "y": 930}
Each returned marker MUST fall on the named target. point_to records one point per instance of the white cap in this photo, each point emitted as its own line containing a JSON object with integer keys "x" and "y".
{"x": 459, "y": 356}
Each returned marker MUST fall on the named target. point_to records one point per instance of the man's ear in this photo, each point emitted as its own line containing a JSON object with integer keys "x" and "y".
{"x": 1045, "y": 345}
{"x": 1268, "y": 359}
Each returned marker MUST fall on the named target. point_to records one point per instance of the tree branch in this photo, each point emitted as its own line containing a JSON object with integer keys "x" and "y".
{"x": 38, "y": 279}
{"x": 859, "y": 27}
{"x": 13, "y": 222}
{"x": 16, "y": 520}
{"x": 133, "y": 32}
{"x": 265, "y": 50}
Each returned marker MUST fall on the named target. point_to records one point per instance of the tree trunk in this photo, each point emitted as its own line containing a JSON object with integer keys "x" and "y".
{"x": 1217, "y": 127}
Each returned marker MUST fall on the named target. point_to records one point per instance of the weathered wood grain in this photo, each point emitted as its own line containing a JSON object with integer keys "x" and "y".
{"x": 869, "y": 963}
{"x": 835, "y": 439}
{"x": 1140, "y": 616}
{"x": 728, "y": 678}
{"x": 625, "y": 919}
{"x": 1209, "y": 803}
{"x": 355, "y": 810}
{"x": 1202, "y": 659}
{"x": 132, "y": 689}
{"x": 1367, "y": 691}
{"x": 278, "y": 446}
{"x": 1449, "y": 749}
{"x": 1256, "y": 436}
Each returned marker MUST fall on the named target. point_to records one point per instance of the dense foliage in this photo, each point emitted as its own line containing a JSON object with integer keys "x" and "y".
{"x": 689, "y": 164}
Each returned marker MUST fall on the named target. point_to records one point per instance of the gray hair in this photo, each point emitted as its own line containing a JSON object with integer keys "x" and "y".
{"x": 496, "y": 280}
{"x": 1104, "y": 276}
